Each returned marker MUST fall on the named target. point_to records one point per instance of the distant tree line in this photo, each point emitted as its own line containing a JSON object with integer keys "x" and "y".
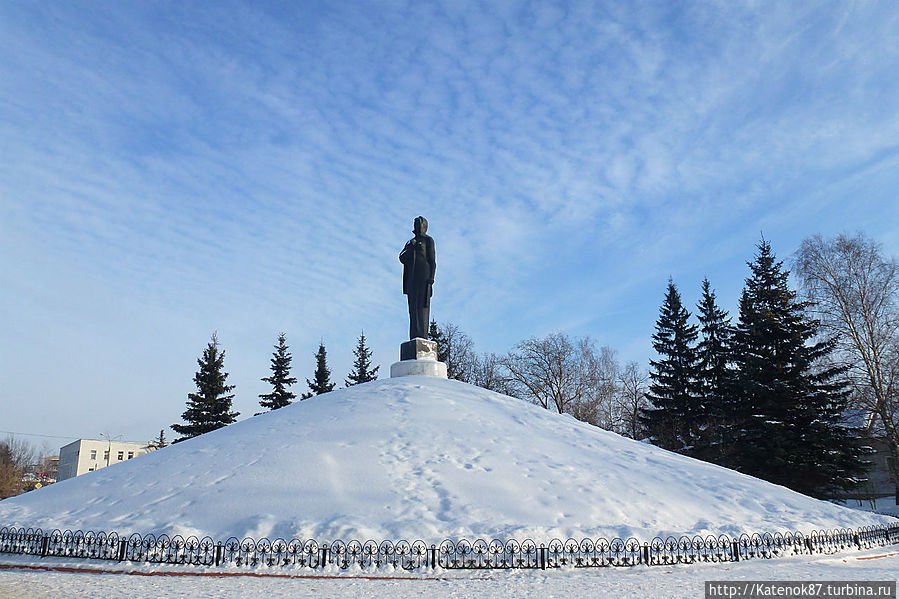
{"x": 209, "y": 407}
{"x": 557, "y": 372}
{"x": 770, "y": 395}
{"x": 761, "y": 396}
{"x": 775, "y": 395}
{"x": 23, "y": 466}
{"x": 15, "y": 456}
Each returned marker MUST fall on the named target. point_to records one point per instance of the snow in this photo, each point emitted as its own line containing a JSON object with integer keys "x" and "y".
{"x": 882, "y": 505}
{"x": 640, "y": 581}
{"x": 420, "y": 458}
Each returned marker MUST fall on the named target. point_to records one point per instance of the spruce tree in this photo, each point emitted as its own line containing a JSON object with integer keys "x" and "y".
{"x": 436, "y": 335}
{"x": 209, "y": 408}
{"x": 159, "y": 442}
{"x": 674, "y": 420}
{"x": 787, "y": 423}
{"x": 362, "y": 370}
{"x": 280, "y": 380}
{"x": 322, "y": 378}
{"x": 714, "y": 376}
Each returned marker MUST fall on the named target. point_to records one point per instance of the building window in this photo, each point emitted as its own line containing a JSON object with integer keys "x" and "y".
{"x": 90, "y": 469}
{"x": 121, "y": 455}
{"x": 93, "y": 454}
{"x": 130, "y": 454}
{"x": 106, "y": 455}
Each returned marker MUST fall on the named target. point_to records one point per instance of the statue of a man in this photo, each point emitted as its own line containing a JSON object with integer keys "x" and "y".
{"x": 418, "y": 277}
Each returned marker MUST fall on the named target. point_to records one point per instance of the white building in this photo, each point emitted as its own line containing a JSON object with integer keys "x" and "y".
{"x": 87, "y": 455}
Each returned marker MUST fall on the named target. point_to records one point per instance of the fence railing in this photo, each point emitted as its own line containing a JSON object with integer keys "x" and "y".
{"x": 460, "y": 554}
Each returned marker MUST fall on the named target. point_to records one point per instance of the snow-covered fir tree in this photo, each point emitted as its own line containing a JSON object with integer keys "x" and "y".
{"x": 321, "y": 382}
{"x": 362, "y": 370}
{"x": 436, "y": 335}
{"x": 159, "y": 442}
{"x": 209, "y": 408}
{"x": 714, "y": 374}
{"x": 787, "y": 426}
{"x": 280, "y": 380}
{"x": 673, "y": 421}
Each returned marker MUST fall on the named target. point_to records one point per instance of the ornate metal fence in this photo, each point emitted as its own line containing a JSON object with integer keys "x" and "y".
{"x": 460, "y": 554}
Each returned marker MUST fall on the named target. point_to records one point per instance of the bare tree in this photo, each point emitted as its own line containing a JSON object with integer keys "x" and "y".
{"x": 555, "y": 372}
{"x": 855, "y": 294}
{"x": 489, "y": 373}
{"x": 456, "y": 349}
{"x": 632, "y": 399}
{"x": 604, "y": 403}
{"x": 15, "y": 456}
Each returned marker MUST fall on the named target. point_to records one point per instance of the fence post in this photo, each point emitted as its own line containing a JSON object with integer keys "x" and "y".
{"x": 45, "y": 546}
{"x": 219, "y": 553}
{"x": 432, "y": 555}
{"x": 646, "y": 553}
{"x": 541, "y": 557}
{"x": 322, "y": 555}
{"x": 123, "y": 545}
{"x": 736, "y": 550}
{"x": 858, "y": 541}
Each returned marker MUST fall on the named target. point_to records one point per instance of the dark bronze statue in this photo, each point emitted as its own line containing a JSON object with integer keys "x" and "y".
{"x": 418, "y": 277}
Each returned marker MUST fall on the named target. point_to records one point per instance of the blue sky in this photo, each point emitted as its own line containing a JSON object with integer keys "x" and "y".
{"x": 170, "y": 169}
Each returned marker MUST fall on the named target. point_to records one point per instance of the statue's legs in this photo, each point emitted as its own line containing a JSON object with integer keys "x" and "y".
{"x": 419, "y": 318}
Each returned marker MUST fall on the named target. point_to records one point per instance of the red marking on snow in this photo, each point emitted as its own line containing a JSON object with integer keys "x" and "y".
{"x": 74, "y": 570}
{"x": 877, "y": 556}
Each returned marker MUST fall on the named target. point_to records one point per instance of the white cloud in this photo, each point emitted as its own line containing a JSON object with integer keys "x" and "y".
{"x": 254, "y": 169}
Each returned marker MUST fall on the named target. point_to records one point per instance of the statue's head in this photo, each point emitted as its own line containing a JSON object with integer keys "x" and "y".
{"x": 421, "y": 226}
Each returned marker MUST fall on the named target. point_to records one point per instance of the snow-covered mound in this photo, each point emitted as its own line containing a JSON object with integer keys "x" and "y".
{"x": 420, "y": 458}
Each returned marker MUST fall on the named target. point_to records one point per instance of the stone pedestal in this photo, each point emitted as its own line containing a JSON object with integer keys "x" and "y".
{"x": 418, "y": 357}
{"x": 418, "y": 349}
